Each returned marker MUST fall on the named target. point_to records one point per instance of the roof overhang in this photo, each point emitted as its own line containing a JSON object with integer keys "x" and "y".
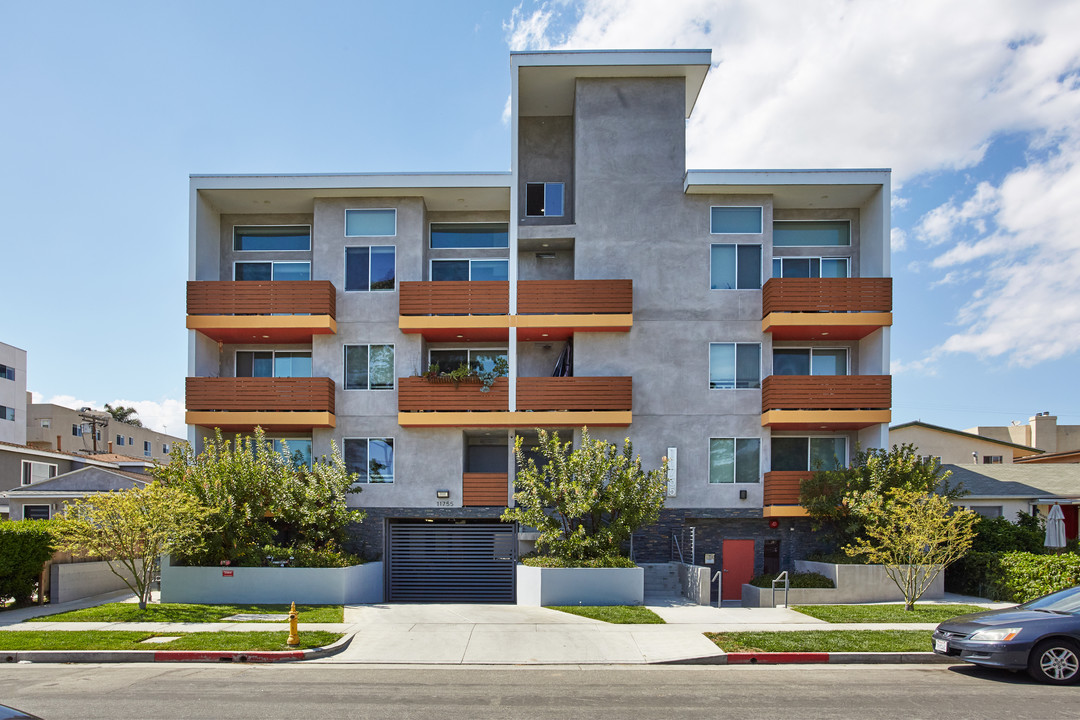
{"x": 792, "y": 188}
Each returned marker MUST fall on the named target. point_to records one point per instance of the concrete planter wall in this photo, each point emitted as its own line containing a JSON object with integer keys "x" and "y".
{"x": 73, "y": 581}
{"x": 312, "y": 586}
{"x": 854, "y": 584}
{"x": 694, "y": 583}
{"x": 580, "y": 586}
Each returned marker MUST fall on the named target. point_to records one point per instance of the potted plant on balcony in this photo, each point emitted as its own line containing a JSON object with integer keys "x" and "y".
{"x": 467, "y": 373}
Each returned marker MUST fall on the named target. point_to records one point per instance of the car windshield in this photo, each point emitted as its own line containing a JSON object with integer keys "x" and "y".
{"x": 1063, "y": 601}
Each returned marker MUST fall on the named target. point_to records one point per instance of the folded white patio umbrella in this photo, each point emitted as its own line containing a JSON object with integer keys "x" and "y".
{"x": 1055, "y": 528}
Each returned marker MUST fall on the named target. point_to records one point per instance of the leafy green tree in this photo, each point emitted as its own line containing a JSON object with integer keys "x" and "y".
{"x": 914, "y": 533}
{"x": 25, "y": 547}
{"x": 132, "y": 528}
{"x": 585, "y": 502}
{"x": 124, "y": 414}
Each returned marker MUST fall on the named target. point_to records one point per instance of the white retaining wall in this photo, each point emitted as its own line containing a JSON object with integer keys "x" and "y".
{"x": 580, "y": 586}
{"x": 74, "y": 581}
{"x": 854, "y": 584}
{"x": 271, "y": 585}
{"x": 694, "y": 581}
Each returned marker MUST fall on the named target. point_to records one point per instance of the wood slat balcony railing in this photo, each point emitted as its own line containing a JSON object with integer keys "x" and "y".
{"x": 457, "y": 297}
{"x": 827, "y": 295}
{"x": 826, "y": 392}
{"x": 782, "y": 486}
{"x": 260, "y": 394}
{"x": 573, "y": 297}
{"x": 247, "y": 297}
{"x": 575, "y": 393}
{"x": 484, "y": 489}
{"x": 420, "y": 394}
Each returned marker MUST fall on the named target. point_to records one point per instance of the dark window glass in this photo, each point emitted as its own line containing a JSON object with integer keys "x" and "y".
{"x": 789, "y": 453}
{"x": 448, "y": 360}
{"x": 270, "y": 238}
{"x": 292, "y": 271}
{"x": 534, "y": 199}
{"x": 382, "y": 268}
{"x": 369, "y": 268}
{"x": 356, "y": 268}
{"x": 254, "y": 364}
{"x": 747, "y": 365}
{"x": 356, "y": 367}
{"x": 262, "y": 271}
{"x": 488, "y": 270}
{"x": 7, "y": 373}
{"x": 469, "y": 235}
{"x": 806, "y": 233}
{"x": 35, "y": 512}
{"x": 791, "y": 362}
{"x": 355, "y": 453}
{"x": 449, "y": 269}
{"x": 749, "y": 267}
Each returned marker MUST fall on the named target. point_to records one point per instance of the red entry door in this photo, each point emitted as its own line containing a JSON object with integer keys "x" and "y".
{"x": 738, "y": 568}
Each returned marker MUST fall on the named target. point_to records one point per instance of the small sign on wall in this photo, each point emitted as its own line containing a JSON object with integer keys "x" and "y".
{"x": 710, "y": 558}
{"x": 672, "y": 469}
{"x": 226, "y": 573}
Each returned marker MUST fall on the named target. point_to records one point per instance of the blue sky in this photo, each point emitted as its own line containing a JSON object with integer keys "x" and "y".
{"x": 108, "y": 107}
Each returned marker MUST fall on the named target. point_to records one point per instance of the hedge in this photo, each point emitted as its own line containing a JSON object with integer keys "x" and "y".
{"x": 25, "y": 547}
{"x": 1013, "y": 576}
{"x": 550, "y": 561}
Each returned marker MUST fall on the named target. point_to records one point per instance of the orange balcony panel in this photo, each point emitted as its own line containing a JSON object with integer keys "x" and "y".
{"x": 520, "y": 419}
{"x": 454, "y": 298}
{"x": 827, "y": 295}
{"x": 575, "y": 297}
{"x": 457, "y": 328}
{"x": 246, "y": 422}
{"x": 575, "y": 393}
{"x": 262, "y": 312}
{"x": 782, "y": 486}
{"x": 485, "y": 489}
{"x": 417, "y": 394}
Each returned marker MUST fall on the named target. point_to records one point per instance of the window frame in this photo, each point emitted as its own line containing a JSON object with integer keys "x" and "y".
{"x": 847, "y": 359}
{"x": 393, "y": 458}
{"x": 48, "y": 511}
{"x": 148, "y": 448}
{"x": 5, "y": 411}
{"x": 761, "y": 265}
{"x": 545, "y": 183}
{"x": 808, "y": 438}
{"x": 7, "y": 372}
{"x": 345, "y": 367}
{"x": 735, "y": 378}
{"x": 273, "y": 362}
{"x": 345, "y": 268}
{"x": 23, "y": 482}
{"x": 431, "y": 226}
{"x": 470, "y": 260}
{"x": 286, "y": 225}
{"x": 993, "y": 459}
{"x": 761, "y": 219}
{"x": 345, "y": 221}
{"x": 850, "y": 242}
{"x": 735, "y": 467}
{"x": 119, "y": 441}
{"x": 273, "y": 264}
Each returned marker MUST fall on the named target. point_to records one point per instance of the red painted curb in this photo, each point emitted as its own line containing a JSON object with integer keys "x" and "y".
{"x": 219, "y": 655}
{"x": 770, "y": 658}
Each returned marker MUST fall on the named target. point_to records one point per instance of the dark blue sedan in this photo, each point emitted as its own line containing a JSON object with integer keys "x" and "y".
{"x": 1041, "y": 636}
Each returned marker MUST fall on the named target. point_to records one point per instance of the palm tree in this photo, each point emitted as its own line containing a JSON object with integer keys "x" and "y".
{"x": 124, "y": 414}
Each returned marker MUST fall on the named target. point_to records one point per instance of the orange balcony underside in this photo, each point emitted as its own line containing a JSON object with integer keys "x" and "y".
{"x": 262, "y": 328}
{"x": 776, "y": 511}
{"x": 831, "y": 420}
{"x": 519, "y": 419}
{"x": 823, "y": 326}
{"x": 243, "y": 422}
{"x": 527, "y": 328}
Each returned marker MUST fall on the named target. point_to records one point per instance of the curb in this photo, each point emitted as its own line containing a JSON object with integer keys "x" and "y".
{"x": 145, "y": 656}
{"x": 814, "y": 658}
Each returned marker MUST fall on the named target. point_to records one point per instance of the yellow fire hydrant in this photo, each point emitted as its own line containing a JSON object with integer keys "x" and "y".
{"x": 294, "y": 636}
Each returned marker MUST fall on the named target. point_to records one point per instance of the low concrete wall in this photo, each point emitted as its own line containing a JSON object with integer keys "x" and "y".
{"x": 854, "y": 584}
{"x": 580, "y": 586}
{"x": 74, "y": 581}
{"x": 312, "y": 586}
{"x": 694, "y": 581}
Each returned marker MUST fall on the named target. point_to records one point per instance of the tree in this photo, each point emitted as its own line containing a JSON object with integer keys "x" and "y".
{"x": 25, "y": 547}
{"x": 132, "y": 528}
{"x": 585, "y": 502}
{"x": 915, "y": 534}
{"x": 124, "y": 414}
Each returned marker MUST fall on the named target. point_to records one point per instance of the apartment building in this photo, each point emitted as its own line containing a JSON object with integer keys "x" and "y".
{"x": 12, "y": 394}
{"x": 736, "y": 322}
{"x": 55, "y": 427}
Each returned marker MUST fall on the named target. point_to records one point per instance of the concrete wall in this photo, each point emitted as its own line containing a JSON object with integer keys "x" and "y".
{"x": 13, "y": 395}
{"x": 313, "y": 586}
{"x": 580, "y": 586}
{"x": 866, "y": 583}
{"x": 546, "y": 154}
{"x": 73, "y": 581}
{"x": 694, "y": 583}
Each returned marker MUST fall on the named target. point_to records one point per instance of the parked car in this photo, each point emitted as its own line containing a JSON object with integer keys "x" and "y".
{"x": 1041, "y": 636}
{"x": 10, "y": 713}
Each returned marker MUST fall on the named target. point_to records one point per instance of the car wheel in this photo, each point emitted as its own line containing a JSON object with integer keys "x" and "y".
{"x": 1055, "y": 661}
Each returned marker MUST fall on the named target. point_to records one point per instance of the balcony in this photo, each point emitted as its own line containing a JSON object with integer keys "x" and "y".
{"x": 556, "y": 309}
{"x": 825, "y": 402}
{"x": 241, "y": 404}
{"x": 485, "y": 489}
{"x": 825, "y": 308}
{"x": 582, "y": 394}
{"x": 782, "y": 489}
{"x": 284, "y": 311}
{"x": 445, "y": 311}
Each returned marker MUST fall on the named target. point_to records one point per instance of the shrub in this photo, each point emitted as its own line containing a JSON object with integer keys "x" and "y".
{"x": 979, "y": 572}
{"x": 550, "y": 561}
{"x": 796, "y": 580}
{"x": 837, "y": 558}
{"x": 25, "y": 547}
{"x": 999, "y": 535}
{"x": 305, "y": 556}
{"x": 1027, "y": 576}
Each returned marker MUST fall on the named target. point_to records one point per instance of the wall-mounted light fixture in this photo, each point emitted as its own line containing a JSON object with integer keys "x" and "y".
{"x": 442, "y": 494}
{"x": 742, "y": 494}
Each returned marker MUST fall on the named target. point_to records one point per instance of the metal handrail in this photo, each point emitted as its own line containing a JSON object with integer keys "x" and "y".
{"x": 782, "y": 577}
{"x": 678, "y": 549}
{"x": 718, "y": 575}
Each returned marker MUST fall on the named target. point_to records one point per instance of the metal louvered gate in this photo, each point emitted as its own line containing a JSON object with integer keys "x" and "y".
{"x": 451, "y": 563}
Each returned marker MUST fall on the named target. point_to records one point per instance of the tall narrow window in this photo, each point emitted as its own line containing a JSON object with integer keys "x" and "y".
{"x": 734, "y": 365}
{"x": 369, "y": 367}
{"x": 372, "y": 459}
{"x": 370, "y": 268}
{"x": 734, "y": 460}
{"x": 544, "y": 199}
{"x": 735, "y": 267}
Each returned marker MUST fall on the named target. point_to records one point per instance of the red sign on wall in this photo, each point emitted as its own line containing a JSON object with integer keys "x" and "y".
{"x": 226, "y": 573}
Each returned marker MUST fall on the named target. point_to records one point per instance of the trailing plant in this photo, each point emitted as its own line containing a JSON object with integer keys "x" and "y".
{"x": 550, "y": 561}
{"x": 465, "y": 372}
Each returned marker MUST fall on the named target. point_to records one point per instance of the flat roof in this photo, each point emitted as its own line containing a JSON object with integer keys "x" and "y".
{"x": 818, "y": 188}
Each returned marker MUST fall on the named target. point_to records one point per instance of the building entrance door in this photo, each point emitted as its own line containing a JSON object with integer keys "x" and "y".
{"x": 738, "y": 566}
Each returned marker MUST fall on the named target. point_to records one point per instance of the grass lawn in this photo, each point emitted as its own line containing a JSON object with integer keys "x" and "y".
{"x": 886, "y": 613}
{"x": 824, "y": 641}
{"x": 618, "y": 614}
{"x": 126, "y": 640}
{"x": 180, "y": 612}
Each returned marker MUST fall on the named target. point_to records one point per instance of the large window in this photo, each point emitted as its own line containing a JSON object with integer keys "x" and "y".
{"x": 735, "y": 221}
{"x": 479, "y": 360}
{"x": 469, "y": 269}
{"x": 33, "y": 471}
{"x": 809, "y": 267}
{"x": 271, "y": 238}
{"x": 734, "y": 365}
{"x": 369, "y": 367}
{"x": 810, "y": 361}
{"x": 544, "y": 199}
{"x": 7, "y": 413}
{"x": 297, "y": 449}
{"x": 811, "y": 233}
{"x": 734, "y": 460}
{"x": 372, "y": 459}
{"x": 264, "y": 271}
{"x": 735, "y": 267}
{"x": 809, "y": 453}
{"x": 276, "y": 363}
{"x": 370, "y": 223}
{"x": 7, "y": 372}
{"x": 370, "y": 268}
{"x": 469, "y": 235}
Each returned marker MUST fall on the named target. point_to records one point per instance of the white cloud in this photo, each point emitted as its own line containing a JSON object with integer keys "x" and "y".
{"x": 898, "y": 239}
{"x": 164, "y": 416}
{"x": 528, "y": 31}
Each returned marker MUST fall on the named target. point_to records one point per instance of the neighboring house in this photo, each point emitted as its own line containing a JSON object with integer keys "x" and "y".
{"x": 21, "y": 465}
{"x": 1005, "y": 490}
{"x": 734, "y": 321}
{"x": 46, "y": 498}
{"x": 55, "y": 427}
{"x": 1068, "y": 456}
{"x": 958, "y": 447}
{"x": 12, "y": 394}
{"x": 1041, "y": 431}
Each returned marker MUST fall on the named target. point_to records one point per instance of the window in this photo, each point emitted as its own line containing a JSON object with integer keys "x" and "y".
{"x": 544, "y": 199}
{"x": 271, "y": 238}
{"x": 810, "y": 361}
{"x": 370, "y": 268}
{"x": 7, "y": 372}
{"x": 131, "y": 441}
{"x": 735, "y": 267}
{"x": 810, "y": 267}
{"x": 992, "y": 460}
{"x": 147, "y": 449}
{"x": 479, "y": 360}
{"x": 735, "y": 221}
{"x": 47, "y": 422}
{"x": 809, "y": 453}
{"x": 76, "y": 430}
{"x": 266, "y": 271}
{"x": 164, "y": 448}
{"x": 369, "y": 367}
{"x": 277, "y": 363}
{"x": 119, "y": 440}
{"x": 7, "y": 413}
{"x": 734, "y": 365}
{"x": 370, "y": 223}
{"x": 299, "y": 449}
{"x": 811, "y": 233}
{"x": 35, "y": 512}
{"x": 370, "y": 458}
{"x": 734, "y": 460}
{"x": 33, "y": 472}
{"x": 469, "y": 269}
{"x": 987, "y": 511}
{"x": 469, "y": 235}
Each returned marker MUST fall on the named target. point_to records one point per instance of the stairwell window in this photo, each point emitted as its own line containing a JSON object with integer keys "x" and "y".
{"x": 381, "y": 222}
{"x": 372, "y": 459}
{"x": 734, "y": 460}
{"x": 809, "y": 453}
{"x": 734, "y": 365}
{"x": 369, "y": 367}
{"x": 370, "y": 268}
{"x": 544, "y": 199}
{"x": 733, "y": 220}
{"x": 735, "y": 267}
{"x": 33, "y": 471}
{"x": 271, "y": 238}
